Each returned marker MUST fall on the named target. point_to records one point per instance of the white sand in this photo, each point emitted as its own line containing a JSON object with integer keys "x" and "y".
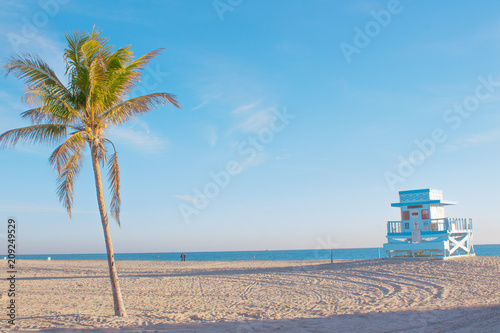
{"x": 460, "y": 295}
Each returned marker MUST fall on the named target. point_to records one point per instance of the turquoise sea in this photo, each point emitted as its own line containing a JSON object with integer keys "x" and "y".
{"x": 365, "y": 253}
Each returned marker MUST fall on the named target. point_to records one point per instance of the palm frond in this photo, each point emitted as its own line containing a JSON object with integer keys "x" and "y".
{"x": 65, "y": 189}
{"x": 37, "y": 116}
{"x": 83, "y": 49}
{"x": 141, "y": 62}
{"x": 120, "y": 82}
{"x": 77, "y": 72}
{"x": 73, "y": 53}
{"x": 126, "y": 74}
{"x": 114, "y": 186}
{"x": 131, "y": 108}
{"x": 34, "y": 72}
{"x": 120, "y": 58}
{"x": 60, "y": 156}
{"x": 96, "y": 35}
{"x": 53, "y": 108}
{"x": 97, "y": 76}
{"x": 49, "y": 133}
{"x": 102, "y": 153}
{"x": 90, "y": 50}
{"x": 95, "y": 46}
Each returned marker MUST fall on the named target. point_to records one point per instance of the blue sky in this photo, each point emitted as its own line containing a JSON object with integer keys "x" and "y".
{"x": 313, "y": 114}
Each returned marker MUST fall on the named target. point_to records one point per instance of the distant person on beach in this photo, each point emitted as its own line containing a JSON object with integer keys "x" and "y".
{"x": 183, "y": 257}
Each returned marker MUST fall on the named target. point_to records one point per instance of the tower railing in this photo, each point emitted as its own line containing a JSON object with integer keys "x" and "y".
{"x": 459, "y": 224}
{"x": 394, "y": 227}
{"x": 435, "y": 225}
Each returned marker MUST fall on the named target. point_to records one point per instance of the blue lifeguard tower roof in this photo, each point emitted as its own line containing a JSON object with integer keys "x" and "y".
{"x": 422, "y": 197}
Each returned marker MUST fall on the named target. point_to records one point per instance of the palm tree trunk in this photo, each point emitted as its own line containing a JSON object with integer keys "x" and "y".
{"x": 115, "y": 287}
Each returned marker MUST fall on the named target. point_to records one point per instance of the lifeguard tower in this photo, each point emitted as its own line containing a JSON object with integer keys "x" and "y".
{"x": 424, "y": 231}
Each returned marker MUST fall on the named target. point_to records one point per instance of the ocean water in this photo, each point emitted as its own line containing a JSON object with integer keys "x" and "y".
{"x": 365, "y": 253}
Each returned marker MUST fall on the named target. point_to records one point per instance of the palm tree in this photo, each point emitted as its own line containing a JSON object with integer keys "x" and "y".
{"x": 95, "y": 96}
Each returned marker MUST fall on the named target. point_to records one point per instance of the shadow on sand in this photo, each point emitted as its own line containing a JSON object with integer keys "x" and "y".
{"x": 476, "y": 319}
{"x": 306, "y": 267}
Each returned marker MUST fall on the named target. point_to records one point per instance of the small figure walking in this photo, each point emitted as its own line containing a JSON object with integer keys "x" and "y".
{"x": 183, "y": 257}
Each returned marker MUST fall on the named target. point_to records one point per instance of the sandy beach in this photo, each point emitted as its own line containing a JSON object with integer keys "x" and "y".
{"x": 459, "y": 295}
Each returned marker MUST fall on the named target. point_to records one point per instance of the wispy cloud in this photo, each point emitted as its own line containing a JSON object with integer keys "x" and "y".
{"x": 200, "y": 105}
{"x": 10, "y": 108}
{"x": 224, "y": 82}
{"x": 48, "y": 47}
{"x": 10, "y": 6}
{"x": 190, "y": 198}
{"x": 245, "y": 108}
{"x": 256, "y": 121}
{"x": 211, "y": 135}
{"x": 283, "y": 156}
{"x": 449, "y": 147}
{"x": 138, "y": 137}
{"x": 52, "y": 51}
{"x": 258, "y": 159}
{"x": 480, "y": 138}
